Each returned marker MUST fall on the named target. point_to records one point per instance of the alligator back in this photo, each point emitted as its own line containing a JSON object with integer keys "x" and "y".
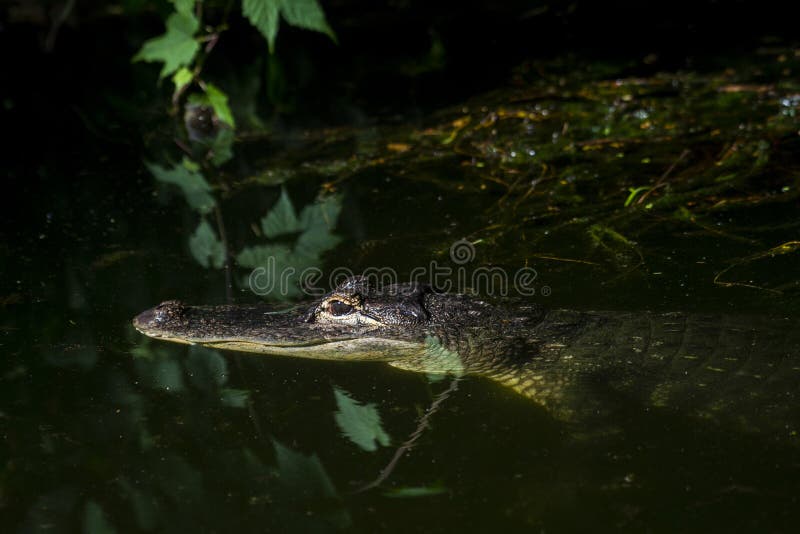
{"x": 740, "y": 370}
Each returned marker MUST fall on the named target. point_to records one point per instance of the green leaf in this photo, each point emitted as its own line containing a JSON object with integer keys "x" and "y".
{"x": 95, "y": 520}
{"x": 317, "y": 220}
{"x": 281, "y": 269}
{"x": 142, "y": 351}
{"x": 207, "y": 369}
{"x": 314, "y": 241}
{"x": 176, "y": 47}
{"x": 167, "y": 375}
{"x": 194, "y": 187}
{"x": 206, "y": 248}
{"x": 440, "y": 360}
{"x": 303, "y": 474}
{"x": 161, "y": 373}
{"x": 323, "y": 213}
{"x": 184, "y": 7}
{"x": 633, "y": 192}
{"x": 263, "y": 14}
{"x": 282, "y": 264}
{"x": 234, "y": 398}
{"x": 219, "y": 101}
{"x": 306, "y": 14}
{"x": 281, "y": 219}
{"x": 145, "y": 351}
{"x": 222, "y": 147}
{"x": 190, "y": 164}
{"x": 259, "y": 255}
{"x": 181, "y": 77}
{"x": 360, "y": 424}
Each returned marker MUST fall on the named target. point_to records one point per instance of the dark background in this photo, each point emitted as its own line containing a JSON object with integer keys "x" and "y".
{"x": 74, "y": 94}
{"x": 48, "y": 74}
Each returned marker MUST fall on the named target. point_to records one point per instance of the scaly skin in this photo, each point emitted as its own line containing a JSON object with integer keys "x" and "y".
{"x": 577, "y": 364}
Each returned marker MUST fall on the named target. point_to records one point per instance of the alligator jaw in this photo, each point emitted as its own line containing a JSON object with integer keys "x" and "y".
{"x": 263, "y": 329}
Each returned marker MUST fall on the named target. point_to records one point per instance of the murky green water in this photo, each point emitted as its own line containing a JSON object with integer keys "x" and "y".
{"x": 104, "y": 430}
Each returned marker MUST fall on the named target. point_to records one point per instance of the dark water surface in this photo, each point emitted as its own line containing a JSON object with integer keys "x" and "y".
{"x": 104, "y": 430}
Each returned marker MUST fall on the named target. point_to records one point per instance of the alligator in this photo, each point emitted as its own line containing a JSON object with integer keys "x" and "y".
{"x": 571, "y": 362}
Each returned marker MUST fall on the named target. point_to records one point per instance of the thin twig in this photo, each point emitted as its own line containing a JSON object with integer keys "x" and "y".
{"x": 784, "y": 248}
{"x": 660, "y": 182}
{"x": 424, "y": 423}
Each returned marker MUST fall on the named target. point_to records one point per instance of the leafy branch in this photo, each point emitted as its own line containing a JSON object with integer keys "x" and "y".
{"x": 178, "y": 49}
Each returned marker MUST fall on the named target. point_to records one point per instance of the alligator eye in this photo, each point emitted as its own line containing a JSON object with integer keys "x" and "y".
{"x": 338, "y": 308}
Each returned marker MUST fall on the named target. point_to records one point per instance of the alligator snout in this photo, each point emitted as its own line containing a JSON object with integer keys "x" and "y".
{"x": 165, "y": 313}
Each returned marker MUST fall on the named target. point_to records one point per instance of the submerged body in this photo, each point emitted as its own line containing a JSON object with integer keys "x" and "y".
{"x": 574, "y": 363}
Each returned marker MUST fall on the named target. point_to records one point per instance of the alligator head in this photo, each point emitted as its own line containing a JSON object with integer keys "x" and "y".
{"x": 407, "y": 325}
